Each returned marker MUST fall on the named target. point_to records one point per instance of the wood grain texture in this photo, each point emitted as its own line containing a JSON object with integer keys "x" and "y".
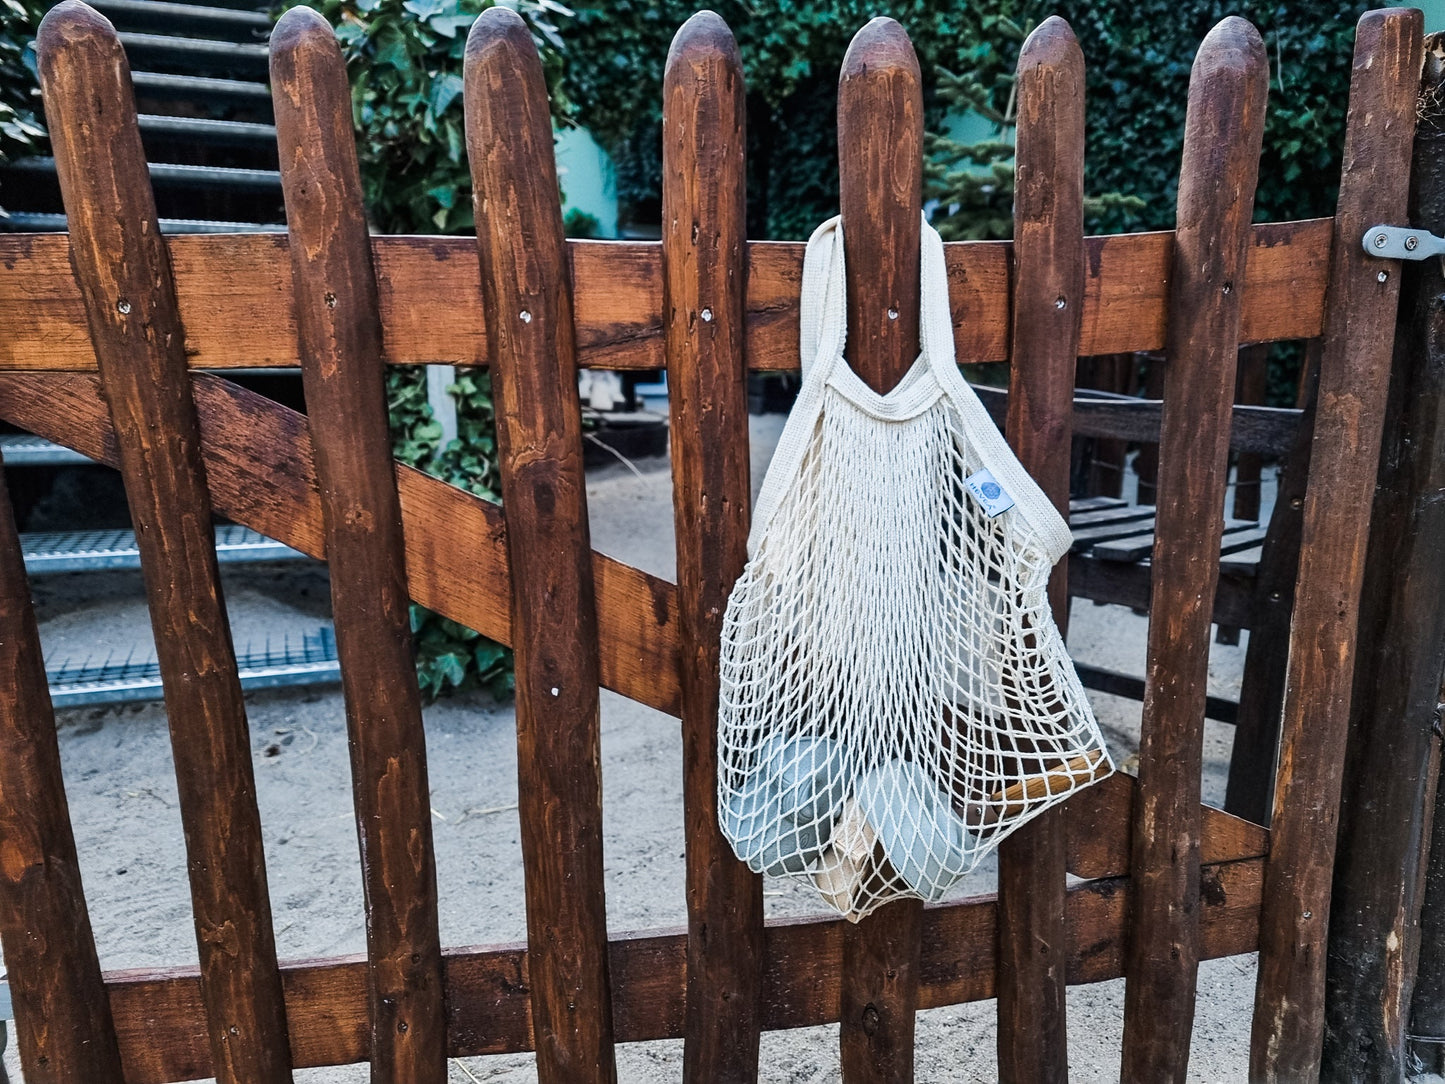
{"x": 528, "y": 303}
{"x": 62, "y": 1019}
{"x": 235, "y": 298}
{"x": 704, "y": 296}
{"x": 1353, "y": 384}
{"x": 339, "y": 335}
{"x": 162, "y": 1027}
{"x": 1048, "y": 272}
{"x": 1224, "y": 128}
{"x": 125, "y": 281}
{"x": 1392, "y": 758}
{"x": 880, "y": 179}
{"x": 1253, "y": 757}
{"x": 258, "y": 458}
{"x": 1391, "y": 771}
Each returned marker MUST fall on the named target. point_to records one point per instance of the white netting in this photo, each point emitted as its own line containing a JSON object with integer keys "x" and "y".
{"x": 895, "y": 695}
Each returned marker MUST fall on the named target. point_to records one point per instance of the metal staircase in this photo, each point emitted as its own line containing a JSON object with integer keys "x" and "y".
{"x": 205, "y": 118}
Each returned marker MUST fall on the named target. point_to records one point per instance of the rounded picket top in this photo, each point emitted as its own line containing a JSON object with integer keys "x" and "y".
{"x": 880, "y": 49}
{"x": 704, "y": 38}
{"x": 1051, "y": 44}
{"x": 1234, "y": 45}
{"x": 301, "y": 28}
{"x": 72, "y": 24}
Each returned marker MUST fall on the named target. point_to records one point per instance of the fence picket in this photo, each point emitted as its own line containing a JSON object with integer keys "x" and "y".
{"x": 1049, "y": 271}
{"x": 123, "y": 270}
{"x": 63, "y": 1019}
{"x": 339, "y": 330}
{"x": 704, "y": 306}
{"x": 1224, "y": 128}
{"x": 1363, "y": 293}
{"x": 880, "y": 180}
{"x": 527, "y": 295}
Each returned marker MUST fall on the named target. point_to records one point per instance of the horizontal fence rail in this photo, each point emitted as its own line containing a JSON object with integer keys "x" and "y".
{"x": 237, "y": 299}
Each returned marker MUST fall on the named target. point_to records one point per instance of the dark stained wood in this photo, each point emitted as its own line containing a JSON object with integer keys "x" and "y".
{"x": 124, "y": 276}
{"x": 704, "y": 297}
{"x": 1257, "y": 430}
{"x": 339, "y": 333}
{"x": 1353, "y": 383}
{"x": 1427, "y": 1003}
{"x": 1099, "y": 826}
{"x": 1224, "y": 128}
{"x": 1048, "y": 303}
{"x": 1108, "y": 452}
{"x": 162, "y": 1028}
{"x": 1253, "y": 757}
{"x": 235, "y": 298}
{"x": 1251, "y": 386}
{"x": 259, "y": 465}
{"x": 880, "y": 179}
{"x": 528, "y": 303}
{"x": 63, "y": 1025}
{"x": 1392, "y": 758}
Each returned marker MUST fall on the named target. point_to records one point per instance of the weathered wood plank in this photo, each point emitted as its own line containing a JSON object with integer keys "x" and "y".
{"x": 1249, "y": 792}
{"x": 1049, "y": 276}
{"x": 1224, "y": 128}
{"x": 704, "y": 216}
{"x": 124, "y": 275}
{"x": 1392, "y": 759}
{"x": 1258, "y": 430}
{"x": 259, "y": 466}
{"x": 1099, "y": 827}
{"x": 880, "y": 179}
{"x": 63, "y": 1024}
{"x": 528, "y": 304}
{"x": 339, "y": 335}
{"x": 162, "y": 1025}
{"x": 1353, "y": 385}
{"x": 234, "y": 292}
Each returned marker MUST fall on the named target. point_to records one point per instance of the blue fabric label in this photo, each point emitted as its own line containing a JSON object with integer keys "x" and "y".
{"x": 992, "y": 496}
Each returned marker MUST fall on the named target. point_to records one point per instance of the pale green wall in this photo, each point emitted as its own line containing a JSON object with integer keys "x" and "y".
{"x": 585, "y": 173}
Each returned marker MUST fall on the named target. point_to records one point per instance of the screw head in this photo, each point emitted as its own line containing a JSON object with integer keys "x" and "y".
{"x": 1412, "y": 243}
{"x": 1381, "y": 240}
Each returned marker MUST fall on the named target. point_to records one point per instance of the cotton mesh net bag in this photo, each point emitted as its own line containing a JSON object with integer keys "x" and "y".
{"x": 896, "y": 697}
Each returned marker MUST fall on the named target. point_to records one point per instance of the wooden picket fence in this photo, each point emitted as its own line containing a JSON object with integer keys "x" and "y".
{"x": 105, "y": 343}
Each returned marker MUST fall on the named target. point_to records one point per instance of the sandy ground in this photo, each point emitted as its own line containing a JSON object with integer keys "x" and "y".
{"x": 123, "y": 802}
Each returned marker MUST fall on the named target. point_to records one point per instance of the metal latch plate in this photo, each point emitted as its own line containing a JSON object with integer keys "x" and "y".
{"x": 1402, "y": 243}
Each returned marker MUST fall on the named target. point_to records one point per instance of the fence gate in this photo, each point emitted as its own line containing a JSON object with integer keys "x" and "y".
{"x": 109, "y": 339}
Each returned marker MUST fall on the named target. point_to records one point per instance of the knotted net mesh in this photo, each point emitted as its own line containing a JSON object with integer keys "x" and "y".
{"x": 896, "y": 697}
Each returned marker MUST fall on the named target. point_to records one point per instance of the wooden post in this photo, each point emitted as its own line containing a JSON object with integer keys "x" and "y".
{"x": 339, "y": 329}
{"x": 527, "y": 295}
{"x": 123, "y": 268}
{"x": 1249, "y": 792}
{"x": 1426, "y": 1037}
{"x": 880, "y": 177}
{"x": 1049, "y": 271}
{"x": 1251, "y": 389}
{"x": 1392, "y": 757}
{"x": 1223, "y": 131}
{"x": 704, "y": 258}
{"x": 1353, "y": 383}
{"x": 63, "y": 1025}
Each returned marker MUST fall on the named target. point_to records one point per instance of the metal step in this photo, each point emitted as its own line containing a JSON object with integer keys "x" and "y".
{"x": 25, "y": 450}
{"x": 193, "y": 20}
{"x": 312, "y": 662}
{"x": 38, "y": 222}
{"x": 200, "y": 88}
{"x": 48, "y": 552}
{"x": 202, "y": 56}
{"x": 200, "y": 130}
{"x": 171, "y": 175}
